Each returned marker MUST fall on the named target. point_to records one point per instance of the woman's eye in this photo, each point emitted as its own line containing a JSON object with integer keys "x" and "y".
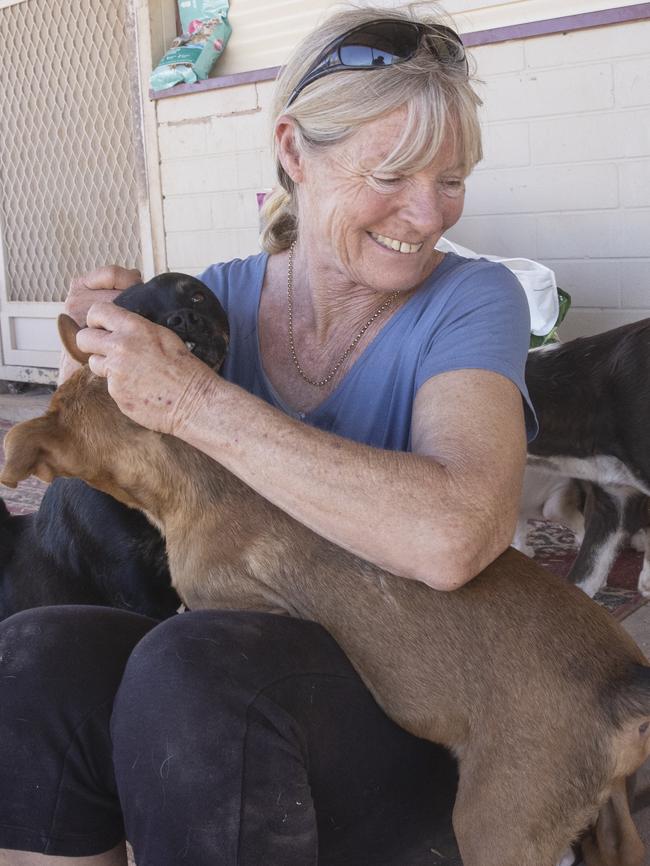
{"x": 386, "y": 183}
{"x": 453, "y": 186}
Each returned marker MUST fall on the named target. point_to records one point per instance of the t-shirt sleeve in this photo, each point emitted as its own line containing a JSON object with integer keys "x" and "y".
{"x": 215, "y": 278}
{"x": 485, "y": 325}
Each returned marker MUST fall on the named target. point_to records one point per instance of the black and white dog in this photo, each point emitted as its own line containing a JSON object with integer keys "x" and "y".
{"x": 589, "y": 468}
{"x": 82, "y": 546}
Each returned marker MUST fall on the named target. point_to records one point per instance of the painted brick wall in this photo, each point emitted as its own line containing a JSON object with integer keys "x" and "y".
{"x": 566, "y": 178}
{"x": 214, "y": 158}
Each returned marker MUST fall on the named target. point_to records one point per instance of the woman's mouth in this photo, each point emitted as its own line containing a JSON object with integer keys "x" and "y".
{"x": 395, "y": 244}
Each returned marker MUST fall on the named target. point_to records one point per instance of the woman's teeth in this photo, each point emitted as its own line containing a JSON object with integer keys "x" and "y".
{"x": 398, "y": 246}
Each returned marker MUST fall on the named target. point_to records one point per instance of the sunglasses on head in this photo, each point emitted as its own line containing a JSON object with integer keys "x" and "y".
{"x": 384, "y": 42}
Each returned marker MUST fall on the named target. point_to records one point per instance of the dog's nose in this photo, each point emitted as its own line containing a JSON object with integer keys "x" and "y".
{"x": 183, "y": 321}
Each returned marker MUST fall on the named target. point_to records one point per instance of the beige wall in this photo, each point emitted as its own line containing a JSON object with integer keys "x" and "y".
{"x": 566, "y": 177}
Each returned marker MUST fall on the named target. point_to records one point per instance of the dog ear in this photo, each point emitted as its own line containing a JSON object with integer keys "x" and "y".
{"x": 28, "y": 451}
{"x": 68, "y": 330}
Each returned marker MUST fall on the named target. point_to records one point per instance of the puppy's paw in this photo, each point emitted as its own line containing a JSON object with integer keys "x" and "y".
{"x": 644, "y": 579}
{"x": 591, "y": 585}
{"x": 638, "y": 540}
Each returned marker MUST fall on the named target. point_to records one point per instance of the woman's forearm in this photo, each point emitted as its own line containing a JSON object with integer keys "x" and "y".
{"x": 403, "y": 512}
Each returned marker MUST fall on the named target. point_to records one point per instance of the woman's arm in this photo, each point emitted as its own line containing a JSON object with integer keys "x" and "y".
{"x": 439, "y": 515}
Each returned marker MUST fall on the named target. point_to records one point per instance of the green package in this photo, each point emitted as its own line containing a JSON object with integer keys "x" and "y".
{"x": 193, "y": 54}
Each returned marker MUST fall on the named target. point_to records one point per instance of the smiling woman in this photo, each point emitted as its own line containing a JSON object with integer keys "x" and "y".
{"x": 431, "y": 89}
{"x": 373, "y": 390}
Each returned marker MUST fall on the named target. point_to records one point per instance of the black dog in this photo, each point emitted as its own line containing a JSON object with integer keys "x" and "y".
{"x": 592, "y": 398}
{"x": 82, "y": 546}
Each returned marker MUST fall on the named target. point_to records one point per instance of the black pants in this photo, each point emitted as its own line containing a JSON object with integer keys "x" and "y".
{"x": 212, "y": 738}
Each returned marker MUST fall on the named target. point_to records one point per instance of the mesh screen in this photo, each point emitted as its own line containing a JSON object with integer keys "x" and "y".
{"x": 68, "y": 196}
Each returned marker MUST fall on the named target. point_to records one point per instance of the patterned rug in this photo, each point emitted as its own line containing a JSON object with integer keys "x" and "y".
{"x": 554, "y": 546}
{"x": 555, "y": 549}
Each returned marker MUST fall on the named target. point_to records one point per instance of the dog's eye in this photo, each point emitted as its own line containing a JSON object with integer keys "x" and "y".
{"x": 644, "y": 727}
{"x": 197, "y": 297}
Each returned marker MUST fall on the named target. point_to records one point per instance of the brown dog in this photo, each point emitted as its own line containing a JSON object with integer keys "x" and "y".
{"x": 542, "y": 696}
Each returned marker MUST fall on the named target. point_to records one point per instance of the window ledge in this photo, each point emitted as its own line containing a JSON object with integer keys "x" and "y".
{"x": 219, "y": 82}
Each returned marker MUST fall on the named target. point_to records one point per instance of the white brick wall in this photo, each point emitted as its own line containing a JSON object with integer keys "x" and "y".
{"x": 566, "y": 175}
{"x": 214, "y": 158}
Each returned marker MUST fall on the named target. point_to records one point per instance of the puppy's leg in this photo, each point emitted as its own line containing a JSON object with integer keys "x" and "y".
{"x": 615, "y": 841}
{"x": 604, "y": 537}
{"x": 644, "y": 576}
{"x": 643, "y": 536}
{"x": 565, "y": 506}
{"x": 499, "y": 817}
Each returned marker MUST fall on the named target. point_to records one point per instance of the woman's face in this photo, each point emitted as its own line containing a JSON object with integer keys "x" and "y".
{"x": 376, "y": 229}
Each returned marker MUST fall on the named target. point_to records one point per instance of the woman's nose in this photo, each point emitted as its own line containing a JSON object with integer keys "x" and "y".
{"x": 424, "y": 208}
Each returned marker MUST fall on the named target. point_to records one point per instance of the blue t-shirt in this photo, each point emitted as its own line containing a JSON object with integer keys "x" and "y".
{"x": 469, "y": 314}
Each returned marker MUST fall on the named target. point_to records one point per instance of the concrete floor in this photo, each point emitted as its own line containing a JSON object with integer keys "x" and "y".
{"x": 20, "y": 407}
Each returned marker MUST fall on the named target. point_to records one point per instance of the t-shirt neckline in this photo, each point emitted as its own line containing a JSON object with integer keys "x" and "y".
{"x": 365, "y": 353}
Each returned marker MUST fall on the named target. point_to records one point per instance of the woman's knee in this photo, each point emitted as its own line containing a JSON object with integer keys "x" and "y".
{"x": 52, "y": 652}
{"x": 219, "y": 650}
{"x": 197, "y": 704}
{"x": 203, "y": 670}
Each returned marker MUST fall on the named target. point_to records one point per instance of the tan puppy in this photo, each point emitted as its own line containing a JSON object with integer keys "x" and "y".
{"x": 542, "y": 696}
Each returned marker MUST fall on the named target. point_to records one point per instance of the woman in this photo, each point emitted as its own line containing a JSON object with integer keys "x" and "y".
{"x": 247, "y": 738}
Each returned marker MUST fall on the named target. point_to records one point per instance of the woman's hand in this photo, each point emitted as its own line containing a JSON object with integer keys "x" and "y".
{"x": 151, "y": 374}
{"x": 104, "y": 284}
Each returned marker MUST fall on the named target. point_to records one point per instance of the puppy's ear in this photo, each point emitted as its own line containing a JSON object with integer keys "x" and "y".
{"x": 29, "y": 451}
{"x": 68, "y": 330}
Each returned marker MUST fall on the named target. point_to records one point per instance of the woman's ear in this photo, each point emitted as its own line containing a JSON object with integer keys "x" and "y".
{"x": 289, "y": 154}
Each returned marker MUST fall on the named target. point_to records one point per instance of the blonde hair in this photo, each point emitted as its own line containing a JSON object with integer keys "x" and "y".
{"x": 438, "y": 99}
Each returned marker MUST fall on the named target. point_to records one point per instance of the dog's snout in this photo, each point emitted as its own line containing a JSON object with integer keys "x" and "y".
{"x": 183, "y": 320}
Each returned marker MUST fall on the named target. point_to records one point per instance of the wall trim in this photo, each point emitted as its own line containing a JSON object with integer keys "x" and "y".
{"x": 563, "y": 24}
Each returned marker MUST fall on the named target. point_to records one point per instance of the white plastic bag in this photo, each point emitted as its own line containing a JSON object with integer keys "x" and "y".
{"x": 538, "y": 282}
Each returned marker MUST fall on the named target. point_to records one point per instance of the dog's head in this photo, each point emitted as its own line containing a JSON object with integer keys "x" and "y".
{"x": 82, "y": 421}
{"x": 186, "y": 306}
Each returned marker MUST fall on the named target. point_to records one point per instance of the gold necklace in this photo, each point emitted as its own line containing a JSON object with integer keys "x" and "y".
{"x": 318, "y": 383}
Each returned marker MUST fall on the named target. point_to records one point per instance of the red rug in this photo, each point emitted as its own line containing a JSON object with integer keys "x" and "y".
{"x": 554, "y": 546}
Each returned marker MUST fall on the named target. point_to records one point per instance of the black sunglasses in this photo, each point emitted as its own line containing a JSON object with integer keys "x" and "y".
{"x": 384, "y": 42}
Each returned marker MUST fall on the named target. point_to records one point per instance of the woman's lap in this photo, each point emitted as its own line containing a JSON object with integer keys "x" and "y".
{"x": 228, "y": 728}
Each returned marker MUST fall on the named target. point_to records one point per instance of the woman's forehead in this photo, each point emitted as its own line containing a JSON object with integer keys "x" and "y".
{"x": 376, "y": 141}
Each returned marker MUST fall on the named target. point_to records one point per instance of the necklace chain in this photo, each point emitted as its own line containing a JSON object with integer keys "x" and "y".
{"x": 318, "y": 383}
